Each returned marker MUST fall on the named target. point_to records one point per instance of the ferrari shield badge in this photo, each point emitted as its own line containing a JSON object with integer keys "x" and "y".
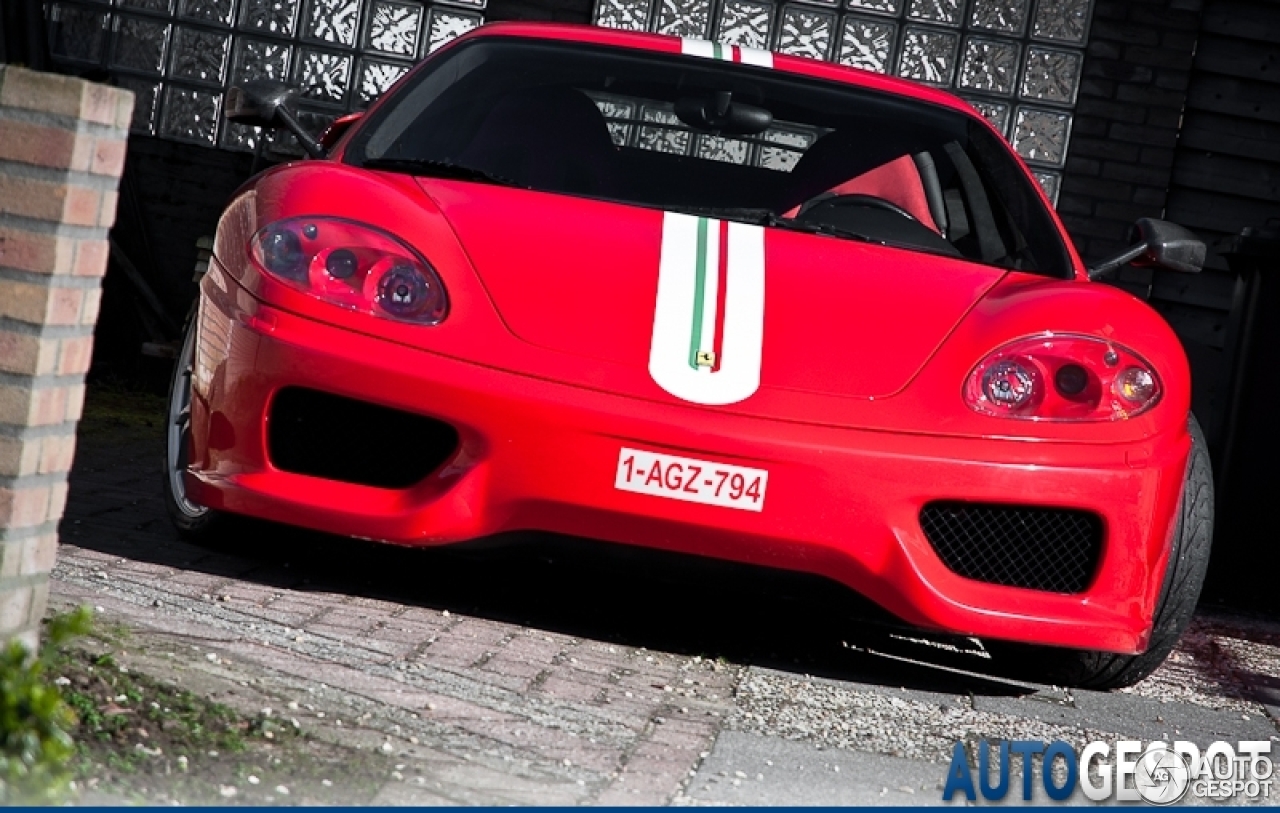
{"x": 708, "y": 325}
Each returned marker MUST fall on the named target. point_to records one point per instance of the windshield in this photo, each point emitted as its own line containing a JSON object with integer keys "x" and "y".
{"x": 685, "y": 133}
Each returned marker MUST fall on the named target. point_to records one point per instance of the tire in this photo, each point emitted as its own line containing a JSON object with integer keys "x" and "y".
{"x": 193, "y": 521}
{"x": 1183, "y": 578}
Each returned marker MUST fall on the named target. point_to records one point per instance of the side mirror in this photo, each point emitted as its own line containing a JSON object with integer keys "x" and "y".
{"x": 1160, "y": 243}
{"x": 265, "y": 103}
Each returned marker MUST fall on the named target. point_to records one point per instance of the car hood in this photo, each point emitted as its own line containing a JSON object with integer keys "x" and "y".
{"x": 783, "y": 311}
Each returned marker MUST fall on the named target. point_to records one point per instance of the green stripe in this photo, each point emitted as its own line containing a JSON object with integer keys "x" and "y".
{"x": 699, "y": 292}
{"x": 717, "y": 50}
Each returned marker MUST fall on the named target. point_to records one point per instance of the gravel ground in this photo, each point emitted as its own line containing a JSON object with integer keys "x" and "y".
{"x": 1218, "y": 667}
{"x": 1222, "y": 662}
{"x": 877, "y": 720}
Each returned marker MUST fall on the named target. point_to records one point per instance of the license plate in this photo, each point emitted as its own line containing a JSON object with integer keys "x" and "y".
{"x": 691, "y": 480}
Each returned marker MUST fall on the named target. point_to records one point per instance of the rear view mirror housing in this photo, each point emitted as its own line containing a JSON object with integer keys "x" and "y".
{"x": 267, "y": 103}
{"x": 1169, "y": 245}
{"x": 1157, "y": 243}
{"x": 716, "y": 112}
{"x": 335, "y": 131}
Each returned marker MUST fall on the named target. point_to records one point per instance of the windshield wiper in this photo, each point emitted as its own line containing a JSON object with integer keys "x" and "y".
{"x": 766, "y": 217}
{"x": 745, "y": 214}
{"x": 820, "y": 228}
{"x": 439, "y": 169}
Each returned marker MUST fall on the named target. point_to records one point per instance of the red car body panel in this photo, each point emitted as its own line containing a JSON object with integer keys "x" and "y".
{"x": 545, "y": 385}
{"x": 615, "y": 256}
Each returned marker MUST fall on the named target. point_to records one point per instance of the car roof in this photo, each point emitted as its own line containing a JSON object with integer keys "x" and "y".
{"x": 662, "y": 43}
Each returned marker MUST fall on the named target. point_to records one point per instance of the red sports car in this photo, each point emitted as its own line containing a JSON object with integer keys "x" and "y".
{"x": 708, "y": 299}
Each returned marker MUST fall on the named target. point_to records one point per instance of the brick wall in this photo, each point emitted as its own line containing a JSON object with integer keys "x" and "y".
{"x": 62, "y": 149}
{"x": 1120, "y": 162}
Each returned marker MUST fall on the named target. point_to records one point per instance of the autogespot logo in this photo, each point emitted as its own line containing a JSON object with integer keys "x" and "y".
{"x": 1161, "y": 776}
{"x": 1159, "y": 772}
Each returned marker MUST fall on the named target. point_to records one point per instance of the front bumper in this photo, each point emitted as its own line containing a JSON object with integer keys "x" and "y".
{"x": 540, "y": 455}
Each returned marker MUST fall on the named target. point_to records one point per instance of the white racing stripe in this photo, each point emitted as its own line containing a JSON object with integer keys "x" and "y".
{"x": 702, "y": 48}
{"x": 727, "y": 53}
{"x": 683, "y": 357}
{"x": 685, "y": 316}
{"x": 756, "y": 56}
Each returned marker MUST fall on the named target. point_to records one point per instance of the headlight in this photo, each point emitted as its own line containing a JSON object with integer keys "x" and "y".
{"x": 1063, "y": 378}
{"x": 353, "y": 266}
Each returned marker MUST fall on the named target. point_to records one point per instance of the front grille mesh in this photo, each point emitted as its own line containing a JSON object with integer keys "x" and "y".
{"x": 1051, "y": 549}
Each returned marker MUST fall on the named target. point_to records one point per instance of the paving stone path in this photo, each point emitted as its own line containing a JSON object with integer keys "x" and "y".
{"x": 553, "y": 671}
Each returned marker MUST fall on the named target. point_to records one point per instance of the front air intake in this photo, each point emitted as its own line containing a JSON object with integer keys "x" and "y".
{"x": 337, "y": 438}
{"x": 1051, "y": 549}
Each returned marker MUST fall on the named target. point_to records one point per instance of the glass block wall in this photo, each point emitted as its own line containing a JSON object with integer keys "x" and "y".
{"x": 655, "y": 126}
{"x": 1017, "y": 61}
{"x": 180, "y": 56}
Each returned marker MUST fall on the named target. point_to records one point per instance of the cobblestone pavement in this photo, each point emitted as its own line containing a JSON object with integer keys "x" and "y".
{"x": 554, "y": 671}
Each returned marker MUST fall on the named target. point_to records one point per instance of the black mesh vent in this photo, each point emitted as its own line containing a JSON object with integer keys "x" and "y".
{"x": 1051, "y": 549}
{"x": 323, "y": 435}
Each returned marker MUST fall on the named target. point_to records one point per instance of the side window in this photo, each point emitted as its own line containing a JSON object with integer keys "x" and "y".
{"x": 977, "y": 234}
{"x": 977, "y": 221}
{"x": 1032, "y": 237}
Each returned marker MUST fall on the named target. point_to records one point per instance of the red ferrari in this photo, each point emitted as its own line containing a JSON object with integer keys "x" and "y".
{"x": 707, "y": 299}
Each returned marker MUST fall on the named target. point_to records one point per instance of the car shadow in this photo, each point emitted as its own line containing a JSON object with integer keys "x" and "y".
{"x": 793, "y": 622}
{"x": 627, "y": 595}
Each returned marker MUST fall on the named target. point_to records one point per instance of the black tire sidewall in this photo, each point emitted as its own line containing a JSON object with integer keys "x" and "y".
{"x": 187, "y": 525}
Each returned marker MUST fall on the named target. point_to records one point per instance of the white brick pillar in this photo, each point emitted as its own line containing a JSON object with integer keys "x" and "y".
{"x": 62, "y": 147}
